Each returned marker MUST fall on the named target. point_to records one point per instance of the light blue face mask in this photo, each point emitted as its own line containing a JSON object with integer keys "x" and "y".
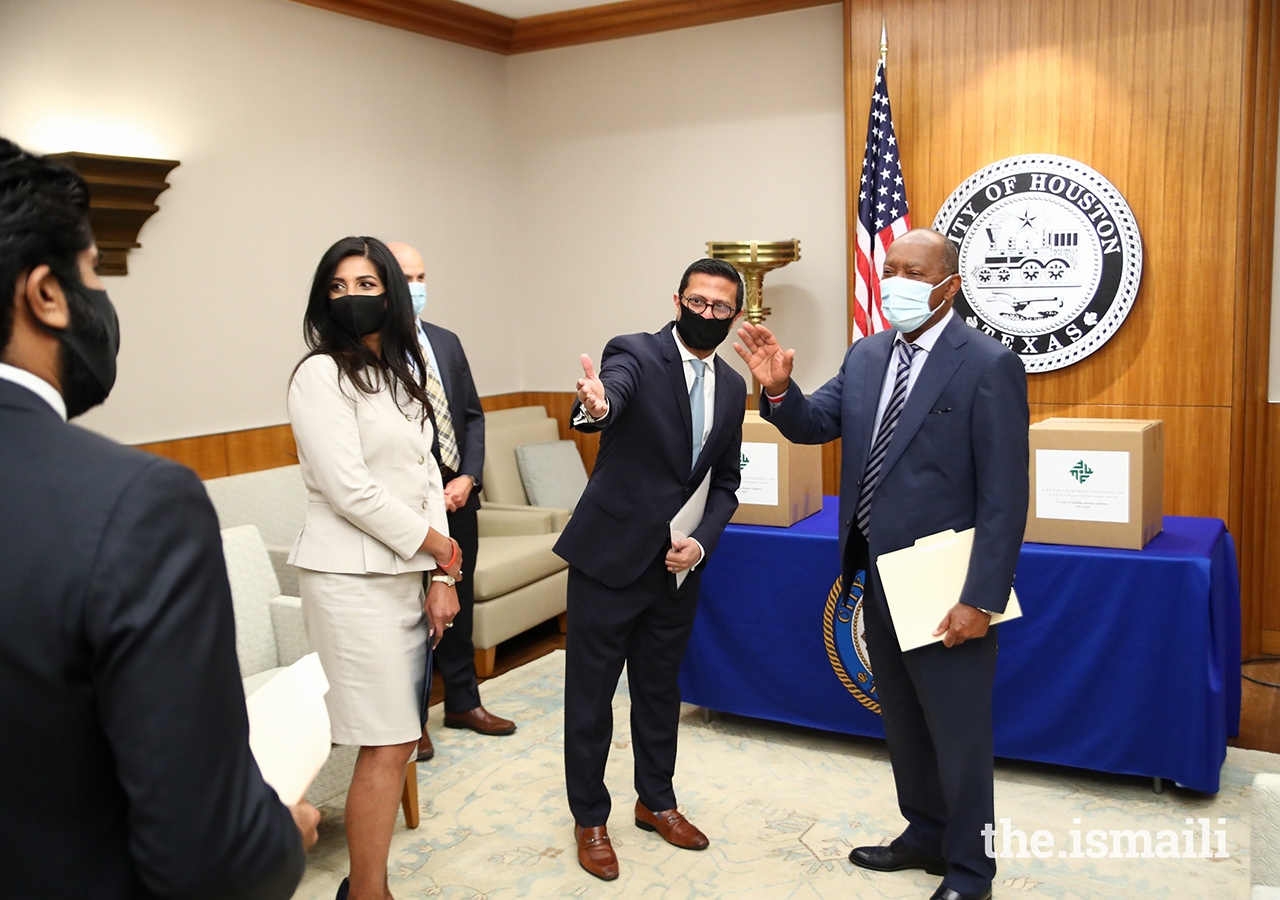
{"x": 418, "y": 291}
{"x": 905, "y": 302}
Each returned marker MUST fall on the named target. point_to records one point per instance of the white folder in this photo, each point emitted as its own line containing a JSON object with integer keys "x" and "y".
{"x": 289, "y": 728}
{"x": 921, "y": 583}
{"x": 689, "y": 517}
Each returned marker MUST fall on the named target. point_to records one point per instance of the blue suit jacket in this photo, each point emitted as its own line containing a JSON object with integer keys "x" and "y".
{"x": 643, "y": 472}
{"x": 958, "y": 458}
{"x": 125, "y": 762}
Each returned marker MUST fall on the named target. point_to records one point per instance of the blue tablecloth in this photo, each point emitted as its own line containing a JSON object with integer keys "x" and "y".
{"x": 1124, "y": 661}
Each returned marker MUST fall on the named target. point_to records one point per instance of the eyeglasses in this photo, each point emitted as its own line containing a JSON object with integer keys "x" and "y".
{"x": 698, "y": 305}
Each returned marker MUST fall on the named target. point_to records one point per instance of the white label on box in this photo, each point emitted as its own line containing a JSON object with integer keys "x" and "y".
{"x": 1082, "y": 485}
{"x": 759, "y": 474}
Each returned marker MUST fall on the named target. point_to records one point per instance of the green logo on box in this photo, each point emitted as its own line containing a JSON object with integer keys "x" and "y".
{"x": 1080, "y": 472}
{"x": 742, "y": 463}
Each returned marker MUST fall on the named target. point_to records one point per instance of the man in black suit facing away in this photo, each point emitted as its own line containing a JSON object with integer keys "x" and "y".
{"x": 933, "y": 416}
{"x": 670, "y": 412}
{"x": 125, "y": 769}
{"x": 459, "y": 452}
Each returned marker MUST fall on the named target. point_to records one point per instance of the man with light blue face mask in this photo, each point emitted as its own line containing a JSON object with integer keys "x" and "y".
{"x": 459, "y": 451}
{"x": 933, "y": 416}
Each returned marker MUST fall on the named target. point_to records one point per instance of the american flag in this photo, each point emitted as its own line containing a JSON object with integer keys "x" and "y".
{"x": 882, "y": 210}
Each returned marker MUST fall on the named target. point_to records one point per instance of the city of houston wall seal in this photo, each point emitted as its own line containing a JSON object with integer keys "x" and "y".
{"x": 1050, "y": 257}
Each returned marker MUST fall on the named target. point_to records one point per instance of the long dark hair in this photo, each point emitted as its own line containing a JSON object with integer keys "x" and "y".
{"x": 401, "y": 363}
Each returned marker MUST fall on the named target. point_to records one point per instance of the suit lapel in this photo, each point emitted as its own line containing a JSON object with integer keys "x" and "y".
{"x": 437, "y": 345}
{"x": 939, "y": 366}
{"x": 675, "y": 374}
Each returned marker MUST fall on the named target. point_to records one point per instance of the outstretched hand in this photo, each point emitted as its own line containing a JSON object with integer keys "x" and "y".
{"x": 766, "y": 359}
{"x": 591, "y": 390}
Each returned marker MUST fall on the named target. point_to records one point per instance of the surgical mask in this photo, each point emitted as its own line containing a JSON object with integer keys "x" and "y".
{"x": 90, "y": 343}
{"x": 699, "y": 333}
{"x": 905, "y": 301}
{"x": 359, "y": 314}
{"x": 418, "y": 291}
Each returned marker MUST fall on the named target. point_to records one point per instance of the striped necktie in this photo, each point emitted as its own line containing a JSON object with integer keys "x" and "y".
{"x": 698, "y": 405}
{"x": 892, "y": 412}
{"x": 444, "y": 421}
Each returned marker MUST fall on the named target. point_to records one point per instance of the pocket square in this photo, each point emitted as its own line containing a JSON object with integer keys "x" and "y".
{"x": 945, "y": 409}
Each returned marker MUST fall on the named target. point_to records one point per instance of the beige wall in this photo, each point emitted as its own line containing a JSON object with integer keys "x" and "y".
{"x": 631, "y": 154}
{"x": 294, "y": 127}
{"x": 556, "y": 196}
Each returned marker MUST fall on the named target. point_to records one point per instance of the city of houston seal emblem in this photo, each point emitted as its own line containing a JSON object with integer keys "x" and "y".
{"x": 1050, "y": 257}
{"x": 844, "y": 632}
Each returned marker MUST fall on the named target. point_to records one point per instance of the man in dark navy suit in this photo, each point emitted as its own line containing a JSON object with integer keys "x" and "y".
{"x": 459, "y": 452}
{"x": 670, "y": 412}
{"x": 933, "y": 417}
{"x": 125, "y": 769}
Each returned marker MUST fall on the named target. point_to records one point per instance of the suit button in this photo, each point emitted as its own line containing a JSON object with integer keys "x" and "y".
{"x": 421, "y": 460}
{"x": 424, "y": 504}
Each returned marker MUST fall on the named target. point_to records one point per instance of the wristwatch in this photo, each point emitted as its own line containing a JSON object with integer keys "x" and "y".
{"x": 445, "y": 579}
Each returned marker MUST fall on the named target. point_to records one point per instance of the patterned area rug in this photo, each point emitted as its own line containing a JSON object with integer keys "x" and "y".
{"x": 782, "y": 806}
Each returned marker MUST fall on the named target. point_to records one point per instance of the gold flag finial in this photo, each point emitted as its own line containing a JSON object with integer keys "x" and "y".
{"x": 884, "y": 41}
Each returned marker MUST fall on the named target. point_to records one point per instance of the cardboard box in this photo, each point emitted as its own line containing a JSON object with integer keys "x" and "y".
{"x": 781, "y": 481}
{"x": 1097, "y": 482}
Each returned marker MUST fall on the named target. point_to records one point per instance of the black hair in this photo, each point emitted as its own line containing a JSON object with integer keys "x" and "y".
{"x": 401, "y": 362}
{"x": 44, "y": 220}
{"x": 717, "y": 267}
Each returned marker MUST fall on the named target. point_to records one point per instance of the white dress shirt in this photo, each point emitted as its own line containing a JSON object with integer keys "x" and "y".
{"x": 37, "y": 385}
{"x": 925, "y": 342}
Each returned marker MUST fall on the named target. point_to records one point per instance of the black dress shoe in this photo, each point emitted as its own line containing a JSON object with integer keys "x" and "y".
{"x": 343, "y": 889}
{"x": 891, "y": 859}
{"x": 946, "y": 893}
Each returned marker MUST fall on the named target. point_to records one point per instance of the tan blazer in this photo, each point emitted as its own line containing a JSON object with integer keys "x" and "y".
{"x": 374, "y": 487}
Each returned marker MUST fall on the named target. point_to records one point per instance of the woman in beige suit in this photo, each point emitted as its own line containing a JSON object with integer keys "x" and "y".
{"x": 375, "y": 521}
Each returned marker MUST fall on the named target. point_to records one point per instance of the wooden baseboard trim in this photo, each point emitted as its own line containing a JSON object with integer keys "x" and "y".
{"x": 462, "y": 23}
{"x": 1270, "y": 643}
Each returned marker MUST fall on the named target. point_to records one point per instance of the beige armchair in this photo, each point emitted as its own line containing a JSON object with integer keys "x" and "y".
{"x": 519, "y": 581}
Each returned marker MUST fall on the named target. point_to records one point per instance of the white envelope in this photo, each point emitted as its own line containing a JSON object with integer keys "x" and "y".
{"x": 921, "y": 583}
{"x": 289, "y": 728}
{"x": 690, "y": 517}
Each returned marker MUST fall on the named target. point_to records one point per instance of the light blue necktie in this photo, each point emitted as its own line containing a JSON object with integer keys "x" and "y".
{"x": 697, "y": 405}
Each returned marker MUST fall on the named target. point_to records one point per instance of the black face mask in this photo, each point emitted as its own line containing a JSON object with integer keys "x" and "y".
{"x": 699, "y": 333}
{"x": 90, "y": 343}
{"x": 359, "y": 314}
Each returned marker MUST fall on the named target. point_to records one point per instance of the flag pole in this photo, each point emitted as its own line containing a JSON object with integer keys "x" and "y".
{"x": 884, "y": 42}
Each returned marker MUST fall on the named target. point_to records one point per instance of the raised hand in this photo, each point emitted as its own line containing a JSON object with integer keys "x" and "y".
{"x": 764, "y": 356}
{"x": 591, "y": 391}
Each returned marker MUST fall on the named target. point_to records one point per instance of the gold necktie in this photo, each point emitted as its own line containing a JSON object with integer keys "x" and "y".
{"x": 444, "y": 421}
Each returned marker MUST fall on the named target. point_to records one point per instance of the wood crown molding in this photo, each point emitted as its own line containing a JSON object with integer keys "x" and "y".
{"x": 465, "y": 24}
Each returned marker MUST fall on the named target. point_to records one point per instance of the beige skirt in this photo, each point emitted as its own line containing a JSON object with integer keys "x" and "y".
{"x": 371, "y": 635}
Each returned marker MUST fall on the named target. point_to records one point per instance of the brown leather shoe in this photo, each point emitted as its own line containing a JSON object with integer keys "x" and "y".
{"x": 674, "y": 828}
{"x": 480, "y": 720}
{"x": 595, "y": 852}
{"x": 425, "y": 749}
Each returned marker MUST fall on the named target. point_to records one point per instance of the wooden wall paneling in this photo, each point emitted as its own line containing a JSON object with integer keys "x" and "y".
{"x": 1256, "y": 431}
{"x": 973, "y": 81}
{"x": 260, "y": 448}
{"x": 206, "y": 455}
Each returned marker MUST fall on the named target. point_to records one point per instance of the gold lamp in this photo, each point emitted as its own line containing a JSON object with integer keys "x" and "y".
{"x": 752, "y": 259}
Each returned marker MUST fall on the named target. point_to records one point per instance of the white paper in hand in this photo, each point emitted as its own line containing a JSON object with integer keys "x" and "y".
{"x": 289, "y": 728}
{"x": 689, "y": 517}
{"x": 921, "y": 583}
